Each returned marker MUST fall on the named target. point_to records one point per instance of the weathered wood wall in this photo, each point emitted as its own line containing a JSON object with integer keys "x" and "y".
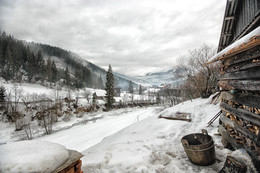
{"x": 246, "y": 12}
{"x": 240, "y": 18}
{"x": 240, "y": 102}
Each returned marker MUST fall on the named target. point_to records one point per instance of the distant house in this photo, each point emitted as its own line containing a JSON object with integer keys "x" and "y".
{"x": 100, "y": 96}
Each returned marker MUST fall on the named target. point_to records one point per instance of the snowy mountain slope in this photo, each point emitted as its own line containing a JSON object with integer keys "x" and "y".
{"x": 63, "y": 59}
{"x": 167, "y": 77}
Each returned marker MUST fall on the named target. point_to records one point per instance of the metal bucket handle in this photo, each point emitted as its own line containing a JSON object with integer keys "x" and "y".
{"x": 204, "y": 131}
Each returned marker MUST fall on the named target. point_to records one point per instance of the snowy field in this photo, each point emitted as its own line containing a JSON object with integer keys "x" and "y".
{"x": 88, "y": 134}
{"x": 154, "y": 145}
{"x": 131, "y": 139}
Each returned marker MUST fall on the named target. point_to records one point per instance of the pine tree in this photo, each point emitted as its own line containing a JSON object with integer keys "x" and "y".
{"x": 78, "y": 78}
{"x": 2, "y": 95}
{"x": 109, "y": 88}
{"x": 48, "y": 70}
{"x": 140, "y": 90}
{"x": 2, "y": 59}
{"x": 67, "y": 77}
{"x": 94, "y": 99}
{"x": 40, "y": 65}
{"x": 7, "y": 69}
{"x": 130, "y": 88}
{"x": 158, "y": 98}
{"x": 54, "y": 72}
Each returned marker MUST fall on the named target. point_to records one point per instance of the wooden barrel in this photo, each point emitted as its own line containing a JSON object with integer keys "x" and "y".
{"x": 199, "y": 148}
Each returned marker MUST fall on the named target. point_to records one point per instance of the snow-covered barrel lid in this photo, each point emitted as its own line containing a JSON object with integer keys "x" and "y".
{"x": 247, "y": 42}
{"x": 32, "y": 156}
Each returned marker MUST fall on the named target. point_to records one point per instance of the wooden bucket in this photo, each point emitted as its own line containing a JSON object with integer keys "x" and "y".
{"x": 199, "y": 148}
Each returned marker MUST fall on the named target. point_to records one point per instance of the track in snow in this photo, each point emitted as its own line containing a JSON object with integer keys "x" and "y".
{"x": 83, "y": 136}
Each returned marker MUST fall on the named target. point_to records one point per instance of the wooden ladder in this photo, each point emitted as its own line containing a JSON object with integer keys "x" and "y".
{"x": 214, "y": 118}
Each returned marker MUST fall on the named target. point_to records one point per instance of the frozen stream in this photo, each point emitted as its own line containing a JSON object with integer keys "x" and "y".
{"x": 85, "y": 135}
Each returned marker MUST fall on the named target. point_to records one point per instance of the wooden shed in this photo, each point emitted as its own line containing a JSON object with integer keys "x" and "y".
{"x": 239, "y": 55}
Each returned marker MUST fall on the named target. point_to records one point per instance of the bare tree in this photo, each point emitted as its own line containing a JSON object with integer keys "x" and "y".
{"x": 172, "y": 96}
{"x": 14, "y": 96}
{"x": 201, "y": 80}
{"x": 87, "y": 94}
{"x": 17, "y": 95}
{"x": 47, "y": 114}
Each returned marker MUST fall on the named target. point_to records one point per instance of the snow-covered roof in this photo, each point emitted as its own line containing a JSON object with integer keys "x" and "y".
{"x": 237, "y": 46}
{"x": 32, "y": 156}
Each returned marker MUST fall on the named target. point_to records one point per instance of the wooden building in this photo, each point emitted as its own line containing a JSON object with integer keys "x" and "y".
{"x": 239, "y": 55}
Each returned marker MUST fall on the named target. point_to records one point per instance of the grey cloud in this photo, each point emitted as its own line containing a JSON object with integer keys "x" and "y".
{"x": 137, "y": 36}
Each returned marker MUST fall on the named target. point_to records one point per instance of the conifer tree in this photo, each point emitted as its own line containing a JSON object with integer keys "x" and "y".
{"x": 130, "y": 88}
{"x": 109, "y": 88}
{"x": 94, "y": 99}
{"x": 2, "y": 95}
{"x": 140, "y": 90}
{"x": 7, "y": 68}
{"x": 67, "y": 77}
{"x": 54, "y": 72}
{"x": 48, "y": 70}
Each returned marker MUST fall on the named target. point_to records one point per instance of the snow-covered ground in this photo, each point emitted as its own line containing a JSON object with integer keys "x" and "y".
{"x": 154, "y": 145}
{"x": 85, "y": 135}
{"x": 132, "y": 139}
{"x": 32, "y": 156}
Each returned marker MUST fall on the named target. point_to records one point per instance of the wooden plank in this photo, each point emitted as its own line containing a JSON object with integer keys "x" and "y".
{"x": 230, "y": 18}
{"x": 248, "y": 85}
{"x": 241, "y": 113}
{"x": 242, "y": 66}
{"x": 244, "y": 56}
{"x": 227, "y": 121}
{"x": 252, "y": 73}
{"x": 247, "y": 99}
{"x": 175, "y": 118}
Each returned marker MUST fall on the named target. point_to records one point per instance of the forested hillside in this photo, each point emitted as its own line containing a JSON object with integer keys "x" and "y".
{"x": 31, "y": 62}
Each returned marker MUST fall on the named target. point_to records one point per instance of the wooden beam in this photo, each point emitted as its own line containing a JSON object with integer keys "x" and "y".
{"x": 241, "y": 113}
{"x": 227, "y": 121}
{"x": 230, "y": 18}
{"x": 175, "y": 118}
{"x": 225, "y": 34}
{"x": 241, "y": 66}
{"x": 244, "y": 56}
{"x": 247, "y": 85}
{"x": 252, "y": 73}
{"x": 247, "y": 99}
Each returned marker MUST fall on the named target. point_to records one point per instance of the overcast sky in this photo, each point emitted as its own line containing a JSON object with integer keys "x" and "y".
{"x": 134, "y": 36}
